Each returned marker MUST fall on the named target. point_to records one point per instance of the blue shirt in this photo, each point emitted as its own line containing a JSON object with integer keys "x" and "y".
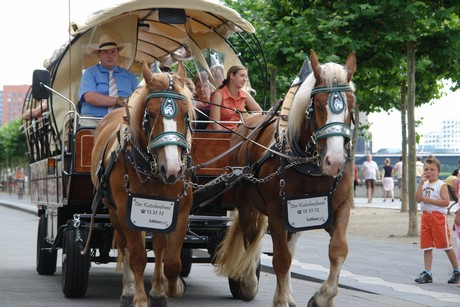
{"x": 96, "y": 79}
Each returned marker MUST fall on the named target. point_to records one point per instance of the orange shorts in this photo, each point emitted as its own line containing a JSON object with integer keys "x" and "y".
{"x": 434, "y": 231}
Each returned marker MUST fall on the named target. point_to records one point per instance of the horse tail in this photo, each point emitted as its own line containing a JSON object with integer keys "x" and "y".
{"x": 233, "y": 258}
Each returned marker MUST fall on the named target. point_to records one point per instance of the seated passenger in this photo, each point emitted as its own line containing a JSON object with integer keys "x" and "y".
{"x": 229, "y": 97}
{"x": 96, "y": 96}
{"x": 203, "y": 90}
{"x": 35, "y": 112}
{"x": 217, "y": 72}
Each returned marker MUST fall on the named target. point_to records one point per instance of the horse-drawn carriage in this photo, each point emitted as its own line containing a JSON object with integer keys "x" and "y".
{"x": 133, "y": 180}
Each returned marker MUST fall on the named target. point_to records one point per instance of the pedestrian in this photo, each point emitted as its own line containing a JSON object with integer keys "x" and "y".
{"x": 387, "y": 180}
{"x": 452, "y": 187}
{"x": 434, "y": 229}
{"x": 369, "y": 174}
{"x": 398, "y": 171}
{"x": 451, "y": 178}
{"x": 355, "y": 179}
{"x": 418, "y": 170}
{"x": 457, "y": 233}
{"x": 105, "y": 85}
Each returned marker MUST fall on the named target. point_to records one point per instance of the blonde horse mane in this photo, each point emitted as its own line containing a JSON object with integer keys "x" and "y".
{"x": 330, "y": 73}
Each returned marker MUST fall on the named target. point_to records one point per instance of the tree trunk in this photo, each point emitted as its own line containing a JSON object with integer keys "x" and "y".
{"x": 354, "y": 138}
{"x": 413, "y": 218}
{"x": 403, "y": 190}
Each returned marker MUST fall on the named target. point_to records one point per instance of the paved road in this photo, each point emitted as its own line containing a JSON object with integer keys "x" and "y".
{"x": 383, "y": 271}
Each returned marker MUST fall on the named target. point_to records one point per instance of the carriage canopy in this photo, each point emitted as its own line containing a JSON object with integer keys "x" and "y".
{"x": 162, "y": 31}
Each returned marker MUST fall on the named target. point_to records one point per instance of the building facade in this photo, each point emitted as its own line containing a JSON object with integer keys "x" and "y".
{"x": 12, "y": 100}
{"x": 446, "y": 139}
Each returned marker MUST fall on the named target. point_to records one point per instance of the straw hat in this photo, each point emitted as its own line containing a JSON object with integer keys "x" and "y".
{"x": 106, "y": 42}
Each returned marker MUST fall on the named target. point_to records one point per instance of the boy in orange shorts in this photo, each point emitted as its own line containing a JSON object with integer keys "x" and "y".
{"x": 434, "y": 230}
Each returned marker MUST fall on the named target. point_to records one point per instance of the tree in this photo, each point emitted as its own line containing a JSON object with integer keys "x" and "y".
{"x": 12, "y": 145}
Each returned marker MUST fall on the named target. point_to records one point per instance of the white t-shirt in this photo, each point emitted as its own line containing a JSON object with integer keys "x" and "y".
{"x": 397, "y": 168}
{"x": 370, "y": 170}
{"x": 432, "y": 190}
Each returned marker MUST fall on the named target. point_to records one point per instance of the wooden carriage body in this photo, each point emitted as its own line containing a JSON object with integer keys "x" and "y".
{"x": 198, "y": 32}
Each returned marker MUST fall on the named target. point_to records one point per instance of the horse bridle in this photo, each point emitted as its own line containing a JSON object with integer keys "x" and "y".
{"x": 169, "y": 111}
{"x": 337, "y": 105}
{"x": 145, "y": 162}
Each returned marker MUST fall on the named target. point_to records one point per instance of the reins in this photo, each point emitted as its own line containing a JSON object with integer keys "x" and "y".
{"x": 258, "y": 128}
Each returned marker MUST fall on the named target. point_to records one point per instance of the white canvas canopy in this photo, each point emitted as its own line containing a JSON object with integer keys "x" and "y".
{"x": 150, "y": 30}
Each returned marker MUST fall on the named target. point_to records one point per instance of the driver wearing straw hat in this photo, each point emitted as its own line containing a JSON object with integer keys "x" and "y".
{"x": 95, "y": 98}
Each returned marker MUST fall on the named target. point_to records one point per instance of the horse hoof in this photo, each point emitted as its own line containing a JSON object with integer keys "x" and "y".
{"x": 184, "y": 285}
{"x": 311, "y": 302}
{"x": 126, "y": 301}
{"x": 249, "y": 288}
{"x": 157, "y": 301}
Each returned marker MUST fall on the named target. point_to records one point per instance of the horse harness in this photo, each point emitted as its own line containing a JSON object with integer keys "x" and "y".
{"x": 143, "y": 161}
{"x": 309, "y": 164}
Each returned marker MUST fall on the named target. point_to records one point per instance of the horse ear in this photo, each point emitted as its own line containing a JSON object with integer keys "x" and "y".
{"x": 146, "y": 73}
{"x": 180, "y": 71}
{"x": 315, "y": 65}
{"x": 350, "y": 65}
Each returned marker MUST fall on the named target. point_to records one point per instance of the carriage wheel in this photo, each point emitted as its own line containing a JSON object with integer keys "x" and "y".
{"x": 46, "y": 260}
{"x": 186, "y": 255}
{"x": 75, "y": 266}
{"x": 235, "y": 286}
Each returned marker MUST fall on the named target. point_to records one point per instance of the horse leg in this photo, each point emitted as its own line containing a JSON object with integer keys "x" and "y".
{"x": 119, "y": 240}
{"x": 127, "y": 295}
{"x": 283, "y": 252}
{"x": 253, "y": 226}
{"x": 338, "y": 251}
{"x": 137, "y": 259}
{"x": 157, "y": 295}
{"x": 167, "y": 249}
{"x": 172, "y": 262}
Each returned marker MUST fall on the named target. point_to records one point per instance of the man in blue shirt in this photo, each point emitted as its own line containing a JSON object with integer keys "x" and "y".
{"x": 94, "y": 86}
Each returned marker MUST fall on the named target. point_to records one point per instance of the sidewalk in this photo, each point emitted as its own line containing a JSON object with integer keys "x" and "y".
{"x": 387, "y": 269}
{"x": 382, "y": 267}
{"x": 13, "y": 201}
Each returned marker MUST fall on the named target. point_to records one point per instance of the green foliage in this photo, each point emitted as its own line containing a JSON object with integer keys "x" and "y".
{"x": 377, "y": 30}
{"x": 12, "y": 145}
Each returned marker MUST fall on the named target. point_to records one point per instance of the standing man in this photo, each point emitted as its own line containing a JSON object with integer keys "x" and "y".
{"x": 418, "y": 170}
{"x": 370, "y": 173}
{"x": 105, "y": 85}
{"x": 398, "y": 170}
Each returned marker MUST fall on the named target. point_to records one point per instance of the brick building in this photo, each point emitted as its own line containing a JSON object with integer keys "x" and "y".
{"x": 11, "y": 101}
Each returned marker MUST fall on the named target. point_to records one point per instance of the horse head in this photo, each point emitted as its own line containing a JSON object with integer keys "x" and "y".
{"x": 325, "y": 104}
{"x": 161, "y": 122}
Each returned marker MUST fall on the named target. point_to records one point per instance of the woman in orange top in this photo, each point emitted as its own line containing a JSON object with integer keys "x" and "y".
{"x": 232, "y": 97}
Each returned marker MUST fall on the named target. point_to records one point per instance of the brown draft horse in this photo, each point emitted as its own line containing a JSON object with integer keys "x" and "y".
{"x": 318, "y": 130}
{"x": 144, "y": 149}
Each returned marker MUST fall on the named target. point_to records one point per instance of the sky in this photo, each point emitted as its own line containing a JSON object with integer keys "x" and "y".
{"x": 35, "y": 29}
{"x": 386, "y": 127}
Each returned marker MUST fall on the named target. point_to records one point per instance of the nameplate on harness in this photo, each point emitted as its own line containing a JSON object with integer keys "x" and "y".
{"x": 307, "y": 212}
{"x": 152, "y": 213}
